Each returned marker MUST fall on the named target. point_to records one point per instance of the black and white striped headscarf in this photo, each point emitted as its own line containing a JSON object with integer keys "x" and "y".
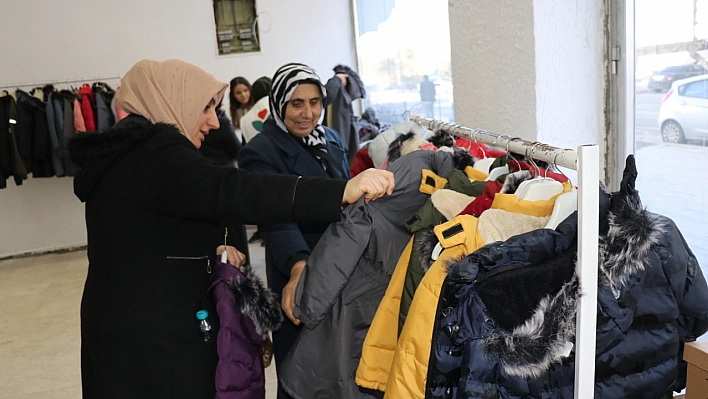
{"x": 285, "y": 81}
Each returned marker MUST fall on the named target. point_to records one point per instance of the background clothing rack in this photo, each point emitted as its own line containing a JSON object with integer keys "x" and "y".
{"x": 55, "y": 82}
{"x": 586, "y": 160}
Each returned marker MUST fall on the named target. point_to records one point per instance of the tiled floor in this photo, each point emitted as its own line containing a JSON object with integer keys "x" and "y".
{"x": 39, "y": 325}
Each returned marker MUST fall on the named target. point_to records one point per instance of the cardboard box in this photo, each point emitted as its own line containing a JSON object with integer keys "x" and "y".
{"x": 696, "y": 354}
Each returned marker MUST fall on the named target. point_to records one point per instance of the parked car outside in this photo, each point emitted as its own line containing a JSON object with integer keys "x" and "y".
{"x": 684, "y": 111}
{"x": 663, "y": 79}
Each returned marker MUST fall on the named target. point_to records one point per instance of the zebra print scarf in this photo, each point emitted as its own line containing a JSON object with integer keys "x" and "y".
{"x": 285, "y": 81}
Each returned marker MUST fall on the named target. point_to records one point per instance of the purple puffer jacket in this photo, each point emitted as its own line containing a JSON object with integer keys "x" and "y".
{"x": 247, "y": 312}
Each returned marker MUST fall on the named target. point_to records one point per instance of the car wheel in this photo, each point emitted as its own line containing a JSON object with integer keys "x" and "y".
{"x": 671, "y": 132}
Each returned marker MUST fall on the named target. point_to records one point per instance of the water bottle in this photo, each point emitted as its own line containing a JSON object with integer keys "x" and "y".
{"x": 204, "y": 324}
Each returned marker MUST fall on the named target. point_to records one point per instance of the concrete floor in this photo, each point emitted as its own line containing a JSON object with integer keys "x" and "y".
{"x": 39, "y": 330}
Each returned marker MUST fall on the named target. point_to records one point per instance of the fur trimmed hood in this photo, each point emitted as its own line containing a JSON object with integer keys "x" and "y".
{"x": 250, "y": 296}
{"x": 257, "y": 302}
{"x": 514, "y": 180}
{"x": 533, "y": 325}
{"x": 627, "y": 234}
{"x": 461, "y": 158}
{"x": 528, "y": 349}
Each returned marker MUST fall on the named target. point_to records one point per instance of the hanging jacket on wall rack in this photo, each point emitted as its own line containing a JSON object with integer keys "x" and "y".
{"x": 55, "y": 135}
{"x": 24, "y": 129}
{"x": 104, "y": 95}
{"x": 10, "y": 161}
{"x": 39, "y": 136}
{"x": 33, "y": 141}
{"x": 87, "y": 107}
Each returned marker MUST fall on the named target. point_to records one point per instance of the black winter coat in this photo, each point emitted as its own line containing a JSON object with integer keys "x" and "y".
{"x": 506, "y": 319}
{"x": 154, "y": 205}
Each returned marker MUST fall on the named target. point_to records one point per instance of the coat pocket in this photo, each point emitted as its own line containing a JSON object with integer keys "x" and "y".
{"x": 183, "y": 285}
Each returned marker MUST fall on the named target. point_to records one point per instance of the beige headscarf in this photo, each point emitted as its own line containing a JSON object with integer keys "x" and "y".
{"x": 171, "y": 91}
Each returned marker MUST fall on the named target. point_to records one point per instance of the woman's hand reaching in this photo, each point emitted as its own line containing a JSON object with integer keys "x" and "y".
{"x": 372, "y": 183}
{"x": 233, "y": 255}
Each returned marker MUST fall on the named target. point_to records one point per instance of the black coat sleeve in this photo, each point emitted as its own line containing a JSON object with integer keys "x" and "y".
{"x": 181, "y": 181}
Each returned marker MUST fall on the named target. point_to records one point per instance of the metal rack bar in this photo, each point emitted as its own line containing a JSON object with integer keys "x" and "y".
{"x": 36, "y": 84}
{"x": 587, "y": 162}
{"x": 560, "y": 156}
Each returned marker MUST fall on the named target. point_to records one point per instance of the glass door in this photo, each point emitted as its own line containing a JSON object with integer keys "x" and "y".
{"x": 671, "y": 114}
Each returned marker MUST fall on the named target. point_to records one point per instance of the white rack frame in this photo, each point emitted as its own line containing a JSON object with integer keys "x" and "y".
{"x": 587, "y": 162}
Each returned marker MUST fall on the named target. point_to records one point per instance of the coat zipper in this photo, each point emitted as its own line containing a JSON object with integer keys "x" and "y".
{"x": 194, "y": 258}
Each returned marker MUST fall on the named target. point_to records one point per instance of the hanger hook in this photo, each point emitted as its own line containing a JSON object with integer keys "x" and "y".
{"x": 484, "y": 153}
{"x": 529, "y": 159}
{"x": 555, "y": 157}
{"x": 494, "y": 144}
{"x": 532, "y": 148}
{"x": 406, "y": 115}
{"x": 508, "y": 153}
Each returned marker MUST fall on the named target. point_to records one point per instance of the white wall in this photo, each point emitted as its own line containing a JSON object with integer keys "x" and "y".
{"x": 493, "y": 69}
{"x": 570, "y": 70}
{"x": 530, "y": 69}
{"x": 45, "y": 40}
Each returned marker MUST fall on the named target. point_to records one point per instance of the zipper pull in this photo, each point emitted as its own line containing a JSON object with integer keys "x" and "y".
{"x": 208, "y": 266}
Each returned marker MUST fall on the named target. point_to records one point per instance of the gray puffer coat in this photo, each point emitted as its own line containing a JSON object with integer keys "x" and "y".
{"x": 345, "y": 279}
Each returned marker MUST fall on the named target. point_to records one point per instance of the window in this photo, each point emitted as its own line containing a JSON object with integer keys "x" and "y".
{"x": 404, "y": 58}
{"x": 236, "y": 26}
{"x": 671, "y": 137}
{"x": 697, "y": 89}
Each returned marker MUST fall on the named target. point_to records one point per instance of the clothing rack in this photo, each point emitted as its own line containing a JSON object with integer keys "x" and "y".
{"x": 53, "y": 82}
{"x": 586, "y": 161}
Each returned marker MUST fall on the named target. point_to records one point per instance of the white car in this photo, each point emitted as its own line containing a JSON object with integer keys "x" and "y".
{"x": 684, "y": 111}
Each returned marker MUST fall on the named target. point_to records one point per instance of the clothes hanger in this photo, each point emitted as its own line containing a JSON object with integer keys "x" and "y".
{"x": 565, "y": 204}
{"x": 224, "y": 255}
{"x": 521, "y": 189}
{"x": 484, "y": 163}
{"x": 502, "y": 170}
{"x": 540, "y": 187}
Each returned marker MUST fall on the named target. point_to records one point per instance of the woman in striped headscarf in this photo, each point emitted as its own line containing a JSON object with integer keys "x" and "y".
{"x": 293, "y": 142}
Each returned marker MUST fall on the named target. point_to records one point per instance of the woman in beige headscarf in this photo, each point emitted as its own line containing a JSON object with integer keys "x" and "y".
{"x": 154, "y": 207}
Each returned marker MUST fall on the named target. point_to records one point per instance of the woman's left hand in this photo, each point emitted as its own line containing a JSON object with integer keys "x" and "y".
{"x": 233, "y": 255}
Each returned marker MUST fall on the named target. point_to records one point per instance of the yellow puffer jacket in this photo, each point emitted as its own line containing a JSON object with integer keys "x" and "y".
{"x": 380, "y": 342}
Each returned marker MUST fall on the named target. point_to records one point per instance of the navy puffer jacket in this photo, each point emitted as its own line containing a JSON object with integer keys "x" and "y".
{"x": 506, "y": 319}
